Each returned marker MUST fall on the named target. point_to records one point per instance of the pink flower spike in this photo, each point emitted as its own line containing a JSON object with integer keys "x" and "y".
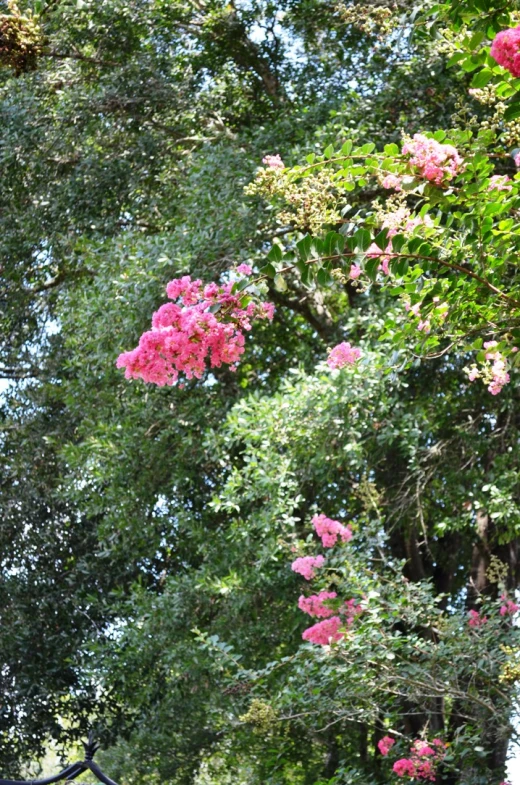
{"x": 273, "y": 162}
{"x": 305, "y": 565}
{"x": 343, "y": 354}
{"x": 385, "y": 745}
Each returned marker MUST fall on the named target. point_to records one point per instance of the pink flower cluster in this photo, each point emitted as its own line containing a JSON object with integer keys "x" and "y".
{"x": 273, "y": 161}
{"x": 499, "y": 374}
{"x": 476, "y": 620}
{"x": 324, "y": 632}
{"x": 399, "y": 221}
{"x": 206, "y": 323}
{"x": 314, "y": 606}
{"x": 306, "y": 566}
{"x": 506, "y": 49}
{"x": 499, "y": 182}
{"x": 391, "y": 181}
{"x": 423, "y": 761}
{"x": 509, "y": 607}
{"x": 321, "y": 633}
{"x": 244, "y": 269}
{"x": 436, "y": 162}
{"x": 385, "y": 745}
{"x": 343, "y": 354}
{"x": 329, "y": 531}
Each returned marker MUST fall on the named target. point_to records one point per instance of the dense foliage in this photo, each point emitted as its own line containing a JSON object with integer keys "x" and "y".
{"x": 148, "y": 530}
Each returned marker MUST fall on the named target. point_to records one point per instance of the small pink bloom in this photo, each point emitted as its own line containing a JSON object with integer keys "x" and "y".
{"x": 385, "y": 744}
{"x": 324, "y": 632}
{"x": 434, "y": 161}
{"x": 343, "y": 354}
{"x": 473, "y": 374}
{"x": 476, "y": 620}
{"x": 404, "y": 768}
{"x": 384, "y": 266}
{"x": 329, "y": 531}
{"x": 499, "y": 182}
{"x": 424, "y": 326}
{"x": 314, "y": 606}
{"x": 392, "y": 181}
{"x": 305, "y": 565}
{"x": 273, "y": 161}
{"x": 268, "y": 309}
{"x": 355, "y": 271}
{"x": 244, "y": 269}
{"x": 517, "y": 160}
{"x": 509, "y": 608}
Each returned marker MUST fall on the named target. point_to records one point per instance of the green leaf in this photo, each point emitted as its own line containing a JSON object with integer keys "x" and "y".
{"x": 363, "y": 239}
{"x": 482, "y": 78}
{"x": 304, "y": 247}
{"x": 275, "y": 254}
{"x": 391, "y": 149}
{"x": 269, "y": 270}
{"x": 323, "y": 277}
{"x": 279, "y": 283}
{"x": 371, "y": 268}
{"x": 512, "y": 112}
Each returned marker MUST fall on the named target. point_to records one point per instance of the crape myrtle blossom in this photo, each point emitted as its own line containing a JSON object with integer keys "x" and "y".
{"x": 499, "y": 375}
{"x": 423, "y": 761}
{"x": 385, "y": 744}
{"x": 494, "y": 371}
{"x": 509, "y": 608}
{"x": 475, "y": 619}
{"x": 244, "y": 269}
{"x": 499, "y": 182}
{"x": 314, "y": 606}
{"x": 324, "y": 632}
{"x": 204, "y": 327}
{"x": 506, "y": 49}
{"x": 438, "y": 163}
{"x": 305, "y": 565}
{"x": 273, "y": 162}
{"x": 343, "y": 354}
{"x": 398, "y": 221}
{"x": 517, "y": 160}
{"x": 391, "y": 181}
{"x": 329, "y": 531}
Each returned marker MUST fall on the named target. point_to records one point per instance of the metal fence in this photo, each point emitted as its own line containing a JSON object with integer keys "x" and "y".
{"x": 72, "y": 771}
